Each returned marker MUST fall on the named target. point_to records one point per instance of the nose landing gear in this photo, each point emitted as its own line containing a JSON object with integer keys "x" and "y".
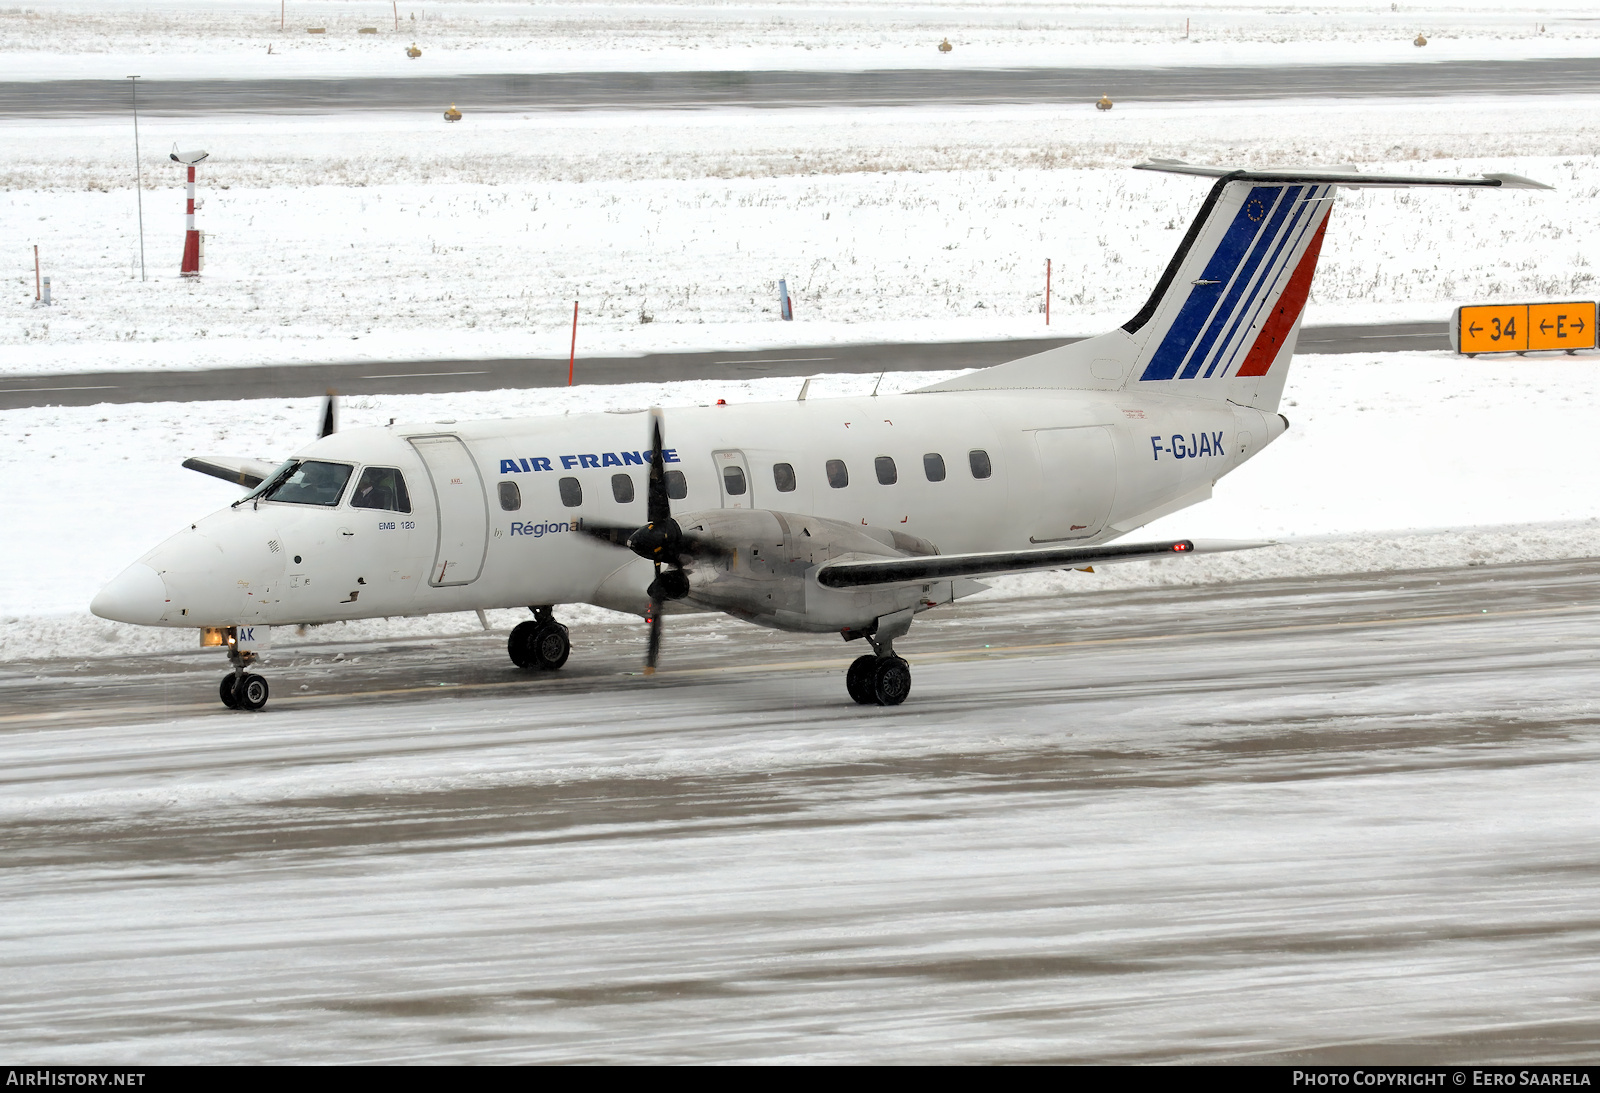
{"x": 542, "y": 644}
{"x": 242, "y": 690}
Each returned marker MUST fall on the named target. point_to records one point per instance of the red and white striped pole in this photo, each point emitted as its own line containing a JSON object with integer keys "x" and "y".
{"x": 191, "y": 239}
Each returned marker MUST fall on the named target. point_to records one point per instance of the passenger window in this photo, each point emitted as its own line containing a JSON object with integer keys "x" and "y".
{"x": 783, "y": 477}
{"x": 311, "y": 482}
{"x": 571, "y": 492}
{"x": 677, "y": 485}
{"x": 838, "y": 474}
{"x": 381, "y": 488}
{"x": 887, "y": 475}
{"x": 978, "y": 459}
{"x": 622, "y": 488}
{"x": 933, "y": 466}
{"x": 733, "y": 481}
{"x": 510, "y": 496}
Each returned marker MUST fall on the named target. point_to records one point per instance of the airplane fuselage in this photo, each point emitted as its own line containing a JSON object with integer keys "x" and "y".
{"x": 495, "y": 506}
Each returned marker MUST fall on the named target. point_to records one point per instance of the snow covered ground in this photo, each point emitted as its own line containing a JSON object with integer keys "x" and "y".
{"x": 387, "y": 237}
{"x": 1499, "y": 448}
{"x": 55, "y": 39}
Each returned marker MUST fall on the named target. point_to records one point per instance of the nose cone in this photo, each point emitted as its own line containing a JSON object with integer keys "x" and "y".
{"x": 137, "y": 595}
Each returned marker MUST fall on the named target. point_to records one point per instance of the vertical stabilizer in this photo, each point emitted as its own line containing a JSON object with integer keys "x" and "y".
{"x": 1223, "y": 319}
{"x": 1222, "y": 322}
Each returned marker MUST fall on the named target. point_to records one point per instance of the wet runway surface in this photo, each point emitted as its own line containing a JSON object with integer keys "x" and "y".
{"x": 421, "y": 377}
{"x": 1337, "y": 820}
{"x": 947, "y": 84}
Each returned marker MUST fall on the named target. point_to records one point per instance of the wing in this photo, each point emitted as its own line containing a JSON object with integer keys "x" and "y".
{"x": 941, "y": 567}
{"x": 241, "y": 472}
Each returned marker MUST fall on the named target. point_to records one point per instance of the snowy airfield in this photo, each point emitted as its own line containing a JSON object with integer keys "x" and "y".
{"x": 389, "y": 237}
{"x": 63, "y": 39}
{"x": 1330, "y": 801}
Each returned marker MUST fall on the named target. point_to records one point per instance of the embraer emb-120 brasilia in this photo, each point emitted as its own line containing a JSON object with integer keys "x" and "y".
{"x": 845, "y": 516}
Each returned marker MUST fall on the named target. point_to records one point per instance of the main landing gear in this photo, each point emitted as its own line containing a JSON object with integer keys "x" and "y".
{"x": 541, "y": 644}
{"x": 242, "y": 690}
{"x": 880, "y": 677}
{"x": 882, "y": 680}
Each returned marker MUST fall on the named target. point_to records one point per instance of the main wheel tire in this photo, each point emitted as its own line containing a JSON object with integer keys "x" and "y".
{"x": 229, "y": 691}
{"x": 520, "y": 642}
{"x": 891, "y": 681}
{"x": 549, "y": 647}
{"x": 252, "y": 693}
{"x": 858, "y": 680}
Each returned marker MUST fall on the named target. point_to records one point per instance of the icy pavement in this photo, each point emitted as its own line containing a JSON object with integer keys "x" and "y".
{"x": 1343, "y": 820}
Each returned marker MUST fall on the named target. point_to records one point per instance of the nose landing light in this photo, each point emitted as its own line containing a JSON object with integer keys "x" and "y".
{"x": 136, "y": 595}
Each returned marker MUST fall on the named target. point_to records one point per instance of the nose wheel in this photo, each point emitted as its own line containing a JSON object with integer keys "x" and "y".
{"x": 239, "y": 689}
{"x": 243, "y": 692}
{"x": 878, "y": 680}
{"x": 542, "y": 644}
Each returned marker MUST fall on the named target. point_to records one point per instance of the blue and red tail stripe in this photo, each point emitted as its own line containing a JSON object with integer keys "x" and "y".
{"x": 1243, "y": 278}
{"x": 1287, "y": 310}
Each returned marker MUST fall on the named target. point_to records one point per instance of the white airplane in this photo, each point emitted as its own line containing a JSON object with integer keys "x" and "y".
{"x": 849, "y": 516}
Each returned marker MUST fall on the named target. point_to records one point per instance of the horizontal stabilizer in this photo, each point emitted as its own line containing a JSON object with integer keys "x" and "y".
{"x": 241, "y": 472}
{"x": 1336, "y": 176}
{"x": 943, "y": 567}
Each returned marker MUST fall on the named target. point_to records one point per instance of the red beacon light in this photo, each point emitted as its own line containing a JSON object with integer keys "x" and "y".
{"x": 1183, "y": 547}
{"x": 722, "y": 402}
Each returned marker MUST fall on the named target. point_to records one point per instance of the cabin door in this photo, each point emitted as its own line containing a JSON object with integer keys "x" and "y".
{"x": 461, "y": 508}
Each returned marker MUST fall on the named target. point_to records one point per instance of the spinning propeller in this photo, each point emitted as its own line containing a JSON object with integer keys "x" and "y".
{"x": 660, "y": 541}
{"x": 330, "y": 412}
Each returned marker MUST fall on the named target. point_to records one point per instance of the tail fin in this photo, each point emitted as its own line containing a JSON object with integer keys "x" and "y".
{"x": 1224, "y": 317}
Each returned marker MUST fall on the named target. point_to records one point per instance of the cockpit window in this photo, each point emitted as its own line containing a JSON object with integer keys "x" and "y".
{"x": 385, "y": 488}
{"x": 309, "y": 482}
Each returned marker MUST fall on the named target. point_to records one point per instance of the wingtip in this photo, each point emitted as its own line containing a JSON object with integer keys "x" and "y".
{"x": 1221, "y": 546}
{"x": 1518, "y": 182}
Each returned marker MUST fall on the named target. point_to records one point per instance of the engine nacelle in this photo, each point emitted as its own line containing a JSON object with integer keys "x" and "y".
{"x": 768, "y": 575}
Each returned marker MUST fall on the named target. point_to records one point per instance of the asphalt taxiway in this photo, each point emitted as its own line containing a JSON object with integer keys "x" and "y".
{"x": 949, "y": 84}
{"x": 434, "y": 376}
{"x": 1316, "y": 820}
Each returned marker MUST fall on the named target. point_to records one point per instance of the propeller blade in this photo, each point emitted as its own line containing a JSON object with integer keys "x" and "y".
{"x": 615, "y": 534}
{"x": 658, "y": 508}
{"x": 653, "y": 654}
{"x": 330, "y": 408}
